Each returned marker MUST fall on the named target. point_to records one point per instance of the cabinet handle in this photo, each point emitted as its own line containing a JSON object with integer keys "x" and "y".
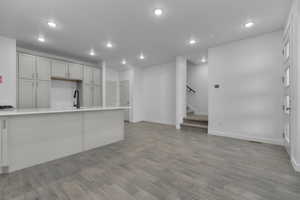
{"x": 37, "y": 75}
{"x": 32, "y": 75}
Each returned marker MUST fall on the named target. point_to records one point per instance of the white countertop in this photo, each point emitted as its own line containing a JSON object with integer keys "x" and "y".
{"x": 16, "y": 112}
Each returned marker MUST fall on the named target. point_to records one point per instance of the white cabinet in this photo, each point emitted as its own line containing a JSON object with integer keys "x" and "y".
{"x": 33, "y": 81}
{"x": 97, "y": 76}
{"x": 3, "y": 144}
{"x": 26, "y": 93}
{"x": 66, "y": 70}
{"x": 26, "y": 66}
{"x": 43, "y": 94}
{"x": 92, "y": 75}
{"x": 87, "y": 95}
{"x": 34, "y": 93}
{"x": 59, "y": 69}
{"x": 92, "y": 95}
{"x": 97, "y": 97}
{"x": 43, "y": 68}
{"x": 88, "y": 75}
{"x": 92, "y": 91}
{"x": 75, "y": 71}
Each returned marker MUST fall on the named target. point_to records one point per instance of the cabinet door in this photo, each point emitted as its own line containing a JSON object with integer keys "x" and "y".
{"x": 43, "y": 94}
{"x": 87, "y": 95}
{"x": 97, "y": 97}
{"x": 43, "y": 68}
{"x": 88, "y": 75}
{"x": 26, "y": 66}
{"x": 59, "y": 69}
{"x": 97, "y": 76}
{"x": 75, "y": 71}
{"x": 26, "y": 93}
{"x": 111, "y": 93}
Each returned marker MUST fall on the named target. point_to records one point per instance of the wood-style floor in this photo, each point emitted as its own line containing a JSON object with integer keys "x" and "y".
{"x": 159, "y": 162}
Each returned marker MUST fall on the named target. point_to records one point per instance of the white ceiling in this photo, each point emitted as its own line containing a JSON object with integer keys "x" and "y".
{"x": 132, "y": 27}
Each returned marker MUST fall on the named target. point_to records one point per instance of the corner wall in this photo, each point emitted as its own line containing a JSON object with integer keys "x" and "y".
{"x": 8, "y": 71}
{"x": 248, "y": 103}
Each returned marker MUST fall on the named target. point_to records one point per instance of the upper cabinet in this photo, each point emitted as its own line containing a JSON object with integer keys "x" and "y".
{"x": 75, "y": 71}
{"x": 59, "y": 69}
{"x": 92, "y": 75}
{"x": 26, "y": 66}
{"x": 66, "y": 70}
{"x": 88, "y": 75}
{"x": 43, "y": 69}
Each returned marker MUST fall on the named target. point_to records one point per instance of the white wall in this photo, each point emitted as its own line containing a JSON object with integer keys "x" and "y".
{"x": 62, "y": 93}
{"x": 8, "y": 89}
{"x": 180, "y": 88}
{"x": 159, "y": 93}
{"x": 248, "y": 103}
{"x": 137, "y": 95}
{"x": 197, "y": 79}
{"x": 127, "y": 75}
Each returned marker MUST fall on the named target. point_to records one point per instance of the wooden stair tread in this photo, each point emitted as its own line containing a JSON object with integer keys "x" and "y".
{"x": 194, "y": 125}
{"x": 197, "y": 118}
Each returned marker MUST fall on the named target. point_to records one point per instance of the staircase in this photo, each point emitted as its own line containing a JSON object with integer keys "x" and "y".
{"x": 197, "y": 123}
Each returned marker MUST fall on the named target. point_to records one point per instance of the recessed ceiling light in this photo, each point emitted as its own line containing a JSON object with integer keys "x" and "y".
{"x": 192, "y": 41}
{"x": 123, "y": 62}
{"x": 109, "y": 45}
{"x": 51, "y": 24}
{"x": 249, "y": 24}
{"x": 158, "y": 11}
{"x": 142, "y": 57}
{"x": 203, "y": 60}
{"x": 41, "y": 39}
{"x": 92, "y": 52}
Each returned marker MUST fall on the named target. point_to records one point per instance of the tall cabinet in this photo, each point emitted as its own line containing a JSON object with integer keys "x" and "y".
{"x": 91, "y": 87}
{"x": 34, "y": 81}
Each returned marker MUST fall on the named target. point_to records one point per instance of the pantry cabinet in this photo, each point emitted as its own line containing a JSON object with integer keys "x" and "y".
{"x": 33, "y": 81}
{"x": 43, "y": 94}
{"x": 36, "y": 73}
{"x": 92, "y": 95}
{"x": 26, "y": 93}
{"x": 92, "y": 75}
{"x": 43, "y": 69}
{"x": 27, "y": 67}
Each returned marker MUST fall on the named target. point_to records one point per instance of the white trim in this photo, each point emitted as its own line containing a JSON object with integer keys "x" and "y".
{"x": 56, "y": 57}
{"x": 295, "y": 164}
{"x": 242, "y": 137}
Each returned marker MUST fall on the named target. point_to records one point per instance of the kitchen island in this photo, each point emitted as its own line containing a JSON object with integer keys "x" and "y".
{"x": 33, "y": 136}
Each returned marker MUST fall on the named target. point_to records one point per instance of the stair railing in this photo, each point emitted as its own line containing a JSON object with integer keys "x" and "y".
{"x": 190, "y": 90}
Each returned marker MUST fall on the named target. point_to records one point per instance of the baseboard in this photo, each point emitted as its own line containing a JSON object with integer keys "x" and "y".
{"x": 295, "y": 165}
{"x": 242, "y": 137}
